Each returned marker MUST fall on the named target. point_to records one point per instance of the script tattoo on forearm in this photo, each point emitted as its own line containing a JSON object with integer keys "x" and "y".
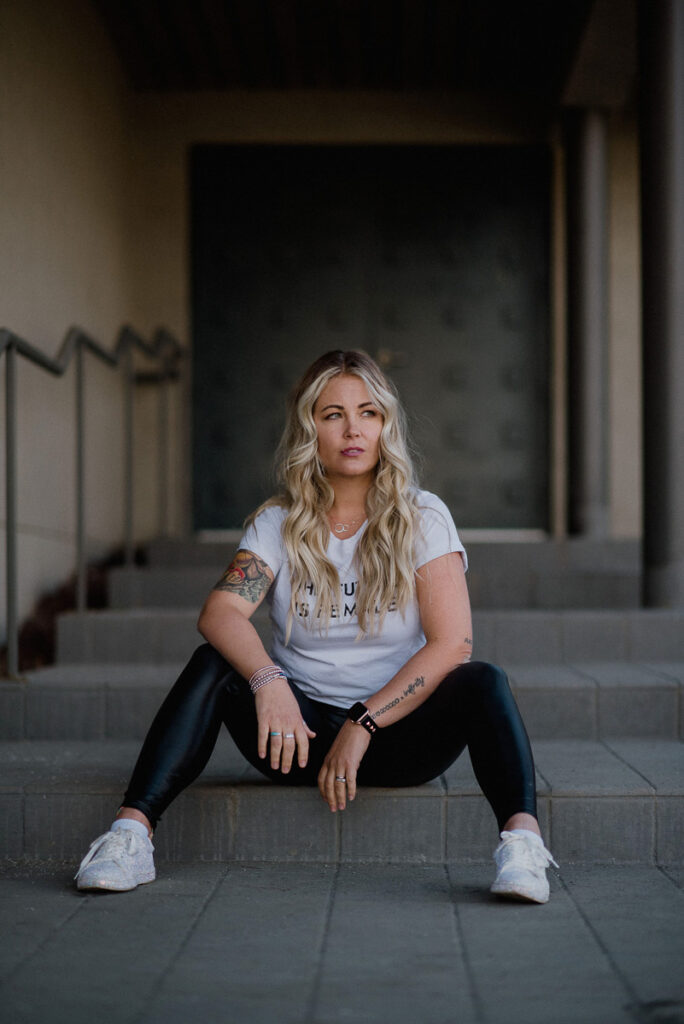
{"x": 410, "y": 689}
{"x": 246, "y": 576}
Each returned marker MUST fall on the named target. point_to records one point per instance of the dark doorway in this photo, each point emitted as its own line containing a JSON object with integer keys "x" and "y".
{"x": 433, "y": 259}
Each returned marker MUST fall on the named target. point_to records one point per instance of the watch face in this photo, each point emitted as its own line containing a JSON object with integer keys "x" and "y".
{"x": 357, "y": 711}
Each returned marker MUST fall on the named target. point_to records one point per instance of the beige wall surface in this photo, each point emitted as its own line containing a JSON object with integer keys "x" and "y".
{"x": 64, "y": 224}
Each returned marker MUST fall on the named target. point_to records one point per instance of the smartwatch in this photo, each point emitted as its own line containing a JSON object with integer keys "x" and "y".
{"x": 360, "y": 715}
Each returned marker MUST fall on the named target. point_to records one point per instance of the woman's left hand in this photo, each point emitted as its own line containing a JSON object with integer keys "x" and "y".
{"x": 342, "y": 762}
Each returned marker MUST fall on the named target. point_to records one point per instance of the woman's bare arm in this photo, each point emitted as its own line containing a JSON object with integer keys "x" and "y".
{"x": 447, "y": 623}
{"x": 224, "y": 623}
{"x": 224, "y": 619}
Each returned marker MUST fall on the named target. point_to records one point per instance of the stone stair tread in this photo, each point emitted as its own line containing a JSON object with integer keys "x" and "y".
{"x": 507, "y": 578}
{"x": 503, "y": 636}
{"x": 97, "y": 674}
{"x": 661, "y": 764}
{"x": 565, "y": 767}
{"x": 523, "y": 676}
{"x": 72, "y": 765}
{"x": 598, "y": 802}
{"x": 592, "y": 674}
{"x": 586, "y": 700}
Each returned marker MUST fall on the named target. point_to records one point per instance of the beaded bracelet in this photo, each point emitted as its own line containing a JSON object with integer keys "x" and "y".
{"x": 265, "y": 675}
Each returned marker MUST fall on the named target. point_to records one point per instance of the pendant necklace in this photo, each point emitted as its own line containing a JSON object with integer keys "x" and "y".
{"x": 341, "y": 528}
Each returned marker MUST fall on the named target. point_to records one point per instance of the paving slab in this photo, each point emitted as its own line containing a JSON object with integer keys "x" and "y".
{"x": 617, "y": 904}
{"x": 327, "y": 944}
{"x": 675, "y": 872}
{"x": 534, "y": 964}
{"x": 392, "y": 950}
{"x": 254, "y": 954}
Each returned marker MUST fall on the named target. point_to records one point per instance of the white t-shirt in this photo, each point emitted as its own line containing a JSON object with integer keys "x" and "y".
{"x": 337, "y": 667}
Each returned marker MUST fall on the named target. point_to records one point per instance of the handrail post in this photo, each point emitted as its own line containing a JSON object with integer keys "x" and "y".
{"x": 163, "y": 429}
{"x": 11, "y": 503}
{"x": 128, "y": 455}
{"x": 81, "y": 593}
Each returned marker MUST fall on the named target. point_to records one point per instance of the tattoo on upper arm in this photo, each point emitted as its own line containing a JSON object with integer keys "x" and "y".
{"x": 468, "y": 641}
{"x": 247, "y": 576}
{"x": 410, "y": 689}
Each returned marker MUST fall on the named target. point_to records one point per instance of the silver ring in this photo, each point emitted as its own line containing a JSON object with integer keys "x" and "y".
{"x": 340, "y": 778}
{"x": 289, "y": 735}
{"x": 275, "y": 734}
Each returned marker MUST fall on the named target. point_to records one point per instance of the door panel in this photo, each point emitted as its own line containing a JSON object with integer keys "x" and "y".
{"x": 433, "y": 259}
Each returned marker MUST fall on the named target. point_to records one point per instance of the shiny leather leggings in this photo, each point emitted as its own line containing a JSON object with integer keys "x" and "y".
{"x": 473, "y": 706}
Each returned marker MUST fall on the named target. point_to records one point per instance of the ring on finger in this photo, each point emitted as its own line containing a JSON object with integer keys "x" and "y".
{"x": 275, "y": 734}
{"x": 340, "y": 778}
{"x": 289, "y": 735}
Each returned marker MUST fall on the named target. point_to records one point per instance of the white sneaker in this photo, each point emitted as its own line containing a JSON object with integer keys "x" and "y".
{"x": 117, "y": 861}
{"x": 521, "y": 864}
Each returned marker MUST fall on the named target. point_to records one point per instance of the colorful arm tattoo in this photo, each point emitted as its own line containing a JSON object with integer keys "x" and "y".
{"x": 247, "y": 576}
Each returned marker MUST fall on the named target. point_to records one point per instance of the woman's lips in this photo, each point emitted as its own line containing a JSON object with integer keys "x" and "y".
{"x": 352, "y": 451}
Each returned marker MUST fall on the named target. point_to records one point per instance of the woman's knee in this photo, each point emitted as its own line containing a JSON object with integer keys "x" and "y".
{"x": 206, "y": 665}
{"x": 480, "y": 680}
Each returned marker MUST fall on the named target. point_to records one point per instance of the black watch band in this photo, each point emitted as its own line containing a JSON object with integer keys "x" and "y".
{"x": 360, "y": 715}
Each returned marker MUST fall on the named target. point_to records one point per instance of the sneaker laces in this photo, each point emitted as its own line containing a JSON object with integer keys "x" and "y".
{"x": 513, "y": 845}
{"x": 123, "y": 840}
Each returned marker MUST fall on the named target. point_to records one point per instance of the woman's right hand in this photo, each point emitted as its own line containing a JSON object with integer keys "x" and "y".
{"x": 278, "y": 712}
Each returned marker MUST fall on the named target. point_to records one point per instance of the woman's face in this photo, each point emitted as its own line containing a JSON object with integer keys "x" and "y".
{"x": 349, "y": 424}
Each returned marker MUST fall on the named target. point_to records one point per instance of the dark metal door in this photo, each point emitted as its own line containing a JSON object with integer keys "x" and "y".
{"x": 433, "y": 259}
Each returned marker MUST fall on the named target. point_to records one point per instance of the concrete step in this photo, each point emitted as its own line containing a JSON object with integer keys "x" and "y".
{"x": 572, "y": 573}
{"x": 504, "y": 586}
{"x": 547, "y": 555}
{"x": 505, "y": 636}
{"x": 581, "y": 700}
{"x": 167, "y": 552}
{"x": 618, "y": 801}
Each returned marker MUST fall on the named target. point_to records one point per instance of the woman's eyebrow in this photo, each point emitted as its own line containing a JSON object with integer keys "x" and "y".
{"x": 361, "y": 405}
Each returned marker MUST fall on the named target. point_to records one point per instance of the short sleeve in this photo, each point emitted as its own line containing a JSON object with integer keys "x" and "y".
{"x": 264, "y": 538}
{"x": 437, "y": 534}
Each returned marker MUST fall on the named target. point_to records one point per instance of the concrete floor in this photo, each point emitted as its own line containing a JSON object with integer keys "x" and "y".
{"x": 327, "y": 944}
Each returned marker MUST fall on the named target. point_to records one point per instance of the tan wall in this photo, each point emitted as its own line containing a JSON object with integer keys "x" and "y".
{"x": 64, "y": 224}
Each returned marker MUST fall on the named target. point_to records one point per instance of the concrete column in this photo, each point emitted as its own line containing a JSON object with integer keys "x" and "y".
{"x": 661, "y": 35}
{"x": 588, "y": 511}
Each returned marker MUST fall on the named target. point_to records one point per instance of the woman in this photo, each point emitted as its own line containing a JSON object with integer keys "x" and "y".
{"x": 369, "y": 680}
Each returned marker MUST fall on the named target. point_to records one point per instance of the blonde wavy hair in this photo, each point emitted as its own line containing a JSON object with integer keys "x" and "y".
{"x": 383, "y": 556}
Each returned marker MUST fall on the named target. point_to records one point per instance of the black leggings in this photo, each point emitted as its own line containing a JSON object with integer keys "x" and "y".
{"x": 473, "y": 706}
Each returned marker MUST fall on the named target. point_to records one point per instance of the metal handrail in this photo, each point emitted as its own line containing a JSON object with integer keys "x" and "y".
{"x": 164, "y": 347}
